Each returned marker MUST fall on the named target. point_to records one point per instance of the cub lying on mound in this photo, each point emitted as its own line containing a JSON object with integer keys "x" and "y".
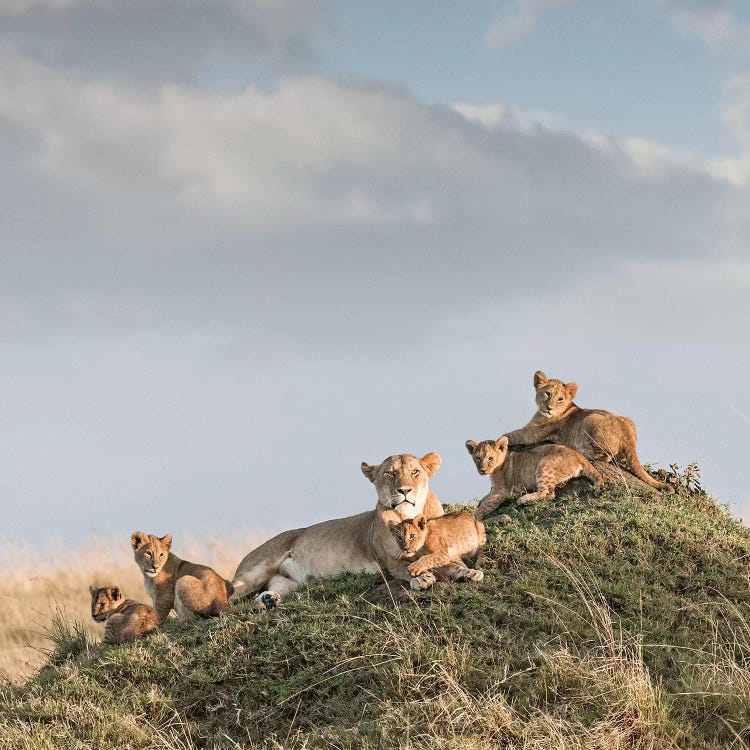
{"x": 447, "y": 540}
{"x": 186, "y": 587}
{"x": 355, "y": 544}
{"x": 125, "y": 619}
{"x": 541, "y": 469}
{"x": 597, "y": 434}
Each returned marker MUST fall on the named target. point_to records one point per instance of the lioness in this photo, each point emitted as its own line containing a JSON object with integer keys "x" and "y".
{"x": 597, "y": 434}
{"x": 361, "y": 543}
{"x": 125, "y": 619}
{"x": 172, "y": 583}
{"x": 447, "y": 540}
{"x": 541, "y": 469}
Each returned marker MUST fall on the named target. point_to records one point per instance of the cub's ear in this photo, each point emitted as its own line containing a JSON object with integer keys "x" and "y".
{"x": 92, "y": 590}
{"x": 471, "y": 446}
{"x": 166, "y": 539}
{"x": 138, "y": 539}
{"x": 539, "y": 378}
{"x": 369, "y": 471}
{"x": 420, "y": 521}
{"x": 431, "y": 463}
{"x": 571, "y": 389}
{"x": 115, "y": 593}
{"x": 502, "y": 443}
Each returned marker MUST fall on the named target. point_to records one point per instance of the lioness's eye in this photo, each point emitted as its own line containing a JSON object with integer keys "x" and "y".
{"x": 414, "y": 472}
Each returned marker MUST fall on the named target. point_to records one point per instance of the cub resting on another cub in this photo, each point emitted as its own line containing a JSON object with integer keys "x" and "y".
{"x": 541, "y": 468}
{"x": 447, "y": 539}
{"x": 597, "y": 434}
{"x": 188, "y": 588}
{"x": 125, "y": 619}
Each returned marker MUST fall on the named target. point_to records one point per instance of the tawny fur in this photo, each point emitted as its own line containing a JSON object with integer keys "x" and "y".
{"x": 360, "y": 543}
{"x": 188, "y": 588}
{"x": 442, "y": 542}
{"x": 599, "y": 435}
{"x": 125, "y": 620}
{"x": 528, "y": 475}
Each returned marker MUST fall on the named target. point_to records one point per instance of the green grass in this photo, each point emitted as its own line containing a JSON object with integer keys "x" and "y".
{"x": 615, "y": 622}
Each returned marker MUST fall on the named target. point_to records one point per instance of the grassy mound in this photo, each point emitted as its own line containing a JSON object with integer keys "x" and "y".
{"x": 611, "y": 622}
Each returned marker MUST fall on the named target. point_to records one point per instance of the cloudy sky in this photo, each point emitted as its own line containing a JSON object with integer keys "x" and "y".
{"x": 247, "y": 244}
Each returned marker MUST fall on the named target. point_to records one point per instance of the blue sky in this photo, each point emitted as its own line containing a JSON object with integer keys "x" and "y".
{"x": 619, "y": 67}
{"x": 249, "y": 244}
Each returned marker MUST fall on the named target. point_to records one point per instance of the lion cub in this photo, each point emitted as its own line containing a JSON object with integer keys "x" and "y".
{"x": 540, "y": 469}
{"x": 599, "y": 435}
{"x": 188, "y": 588}
{"x": 446, "y": 539}
{"x": 125, "y": 619}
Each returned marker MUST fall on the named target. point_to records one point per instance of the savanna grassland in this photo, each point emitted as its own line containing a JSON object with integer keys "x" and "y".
{"x": 41, "y": 586}
{"x": 621, "y": 621}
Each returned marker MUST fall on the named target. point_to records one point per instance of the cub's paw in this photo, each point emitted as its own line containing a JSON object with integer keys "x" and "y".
{"x": 416, "y": 569}
{"x": 423, "y": 581}
{"x": 473, "y": 575}
{"x": 267, "y": 600}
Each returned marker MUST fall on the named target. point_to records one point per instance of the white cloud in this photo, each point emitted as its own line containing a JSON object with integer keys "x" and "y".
{"x": 258, "y": 190}
{"x": 513, "y": 25}
{"x": 712, "y": 21}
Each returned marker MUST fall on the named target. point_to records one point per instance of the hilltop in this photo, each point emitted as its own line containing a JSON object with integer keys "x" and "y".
{"x": 618, "y": 621}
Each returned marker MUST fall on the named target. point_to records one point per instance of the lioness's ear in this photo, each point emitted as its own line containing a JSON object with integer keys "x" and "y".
{"x": 501, "y": 443}
{"x": 166, "y": 539}
{"x": 431, "y": 463}
{"x": 420, "y": 521}
{"x": 369, "y": 471}
{"x": 571, "y": 389}
{"x": 138, "y": 539}
{"x": 539, "y": 378}
{"x": 392, "y": 527}
{"x": 92, "y": 590}
{"x": 471, "y": 446}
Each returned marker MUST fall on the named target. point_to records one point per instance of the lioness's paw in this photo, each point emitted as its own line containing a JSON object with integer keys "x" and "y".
{"x": 423, "y": 581}
{"x": 267, "y": 600}
{"x": 474, "y": 575}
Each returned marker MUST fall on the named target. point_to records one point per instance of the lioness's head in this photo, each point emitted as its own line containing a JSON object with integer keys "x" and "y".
{"x": 402, "y": 481}
{"x": 489, "y": 454}
{"x": 150, "y": 552}
{"x": 553, "y": 397}
{"x": 410, "y": 535}
{"x": 103, "y": 601}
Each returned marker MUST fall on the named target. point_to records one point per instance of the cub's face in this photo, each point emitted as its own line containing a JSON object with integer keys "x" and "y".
{"x": 410, "y": 535}
{"x": 103, "y": 601}
{"x": 150, "y": 552}
{"x": 553, "y": 397}
{"x": 489, "y": 454}
{"x": 402, "y": 482}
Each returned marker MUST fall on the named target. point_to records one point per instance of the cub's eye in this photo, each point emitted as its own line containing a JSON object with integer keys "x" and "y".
{"x": 548, "y": 393}
{"x": 560, "y": 398}
{"x": 161, "y": 554}
{"x": 414, "y": 472}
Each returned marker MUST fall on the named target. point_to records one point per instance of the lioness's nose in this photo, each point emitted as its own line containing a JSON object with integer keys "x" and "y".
{"x": 404, "y": 490}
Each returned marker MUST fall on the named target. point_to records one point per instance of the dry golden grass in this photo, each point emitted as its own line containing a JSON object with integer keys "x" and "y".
{"x": 38, "y": 583}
